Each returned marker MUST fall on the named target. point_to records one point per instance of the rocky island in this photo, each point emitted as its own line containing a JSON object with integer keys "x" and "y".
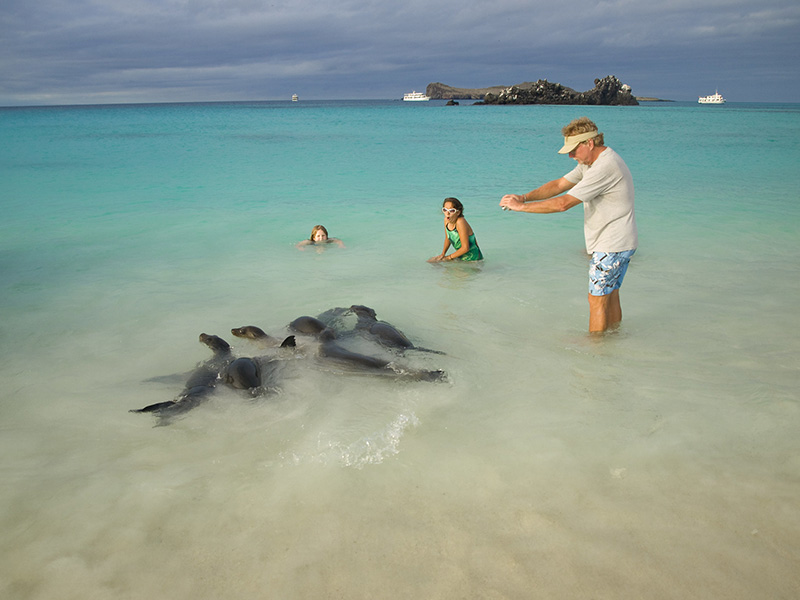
{"x": 608, "y": 91}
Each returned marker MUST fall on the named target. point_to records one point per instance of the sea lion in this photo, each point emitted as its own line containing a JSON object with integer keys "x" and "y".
{"x": 384, "y": 333}
{"x": 331, "y": 349}
{"x": 243, "y": 374}
{"x": 200, "y": 384}
{"x": 257, "y": 375}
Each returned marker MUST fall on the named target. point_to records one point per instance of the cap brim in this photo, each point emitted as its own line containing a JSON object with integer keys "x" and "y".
{"x": 573, "y": 141}
{"x": 567, "y": 148}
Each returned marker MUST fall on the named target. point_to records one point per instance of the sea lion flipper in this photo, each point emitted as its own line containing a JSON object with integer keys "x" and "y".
{"x": 153, "y": 407}
{"x": 418, "y": 349}
{"x": 169, "y": 379}
{"x": 289, "y": 342}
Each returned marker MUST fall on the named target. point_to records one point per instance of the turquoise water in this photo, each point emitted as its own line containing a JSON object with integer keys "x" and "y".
{"x": 661, "y": 461}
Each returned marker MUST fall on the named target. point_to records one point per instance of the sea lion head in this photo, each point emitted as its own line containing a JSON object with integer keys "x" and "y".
{"x": 215, "y": 343}
{"x": 364, "y": 312}
{"x": 250, "y": 332}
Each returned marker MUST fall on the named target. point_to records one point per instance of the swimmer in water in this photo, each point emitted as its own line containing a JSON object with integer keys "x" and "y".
{"x": 319, "y": 236}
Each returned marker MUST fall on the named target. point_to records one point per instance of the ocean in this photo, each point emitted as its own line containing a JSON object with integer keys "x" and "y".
{"x": 659, "y": 461}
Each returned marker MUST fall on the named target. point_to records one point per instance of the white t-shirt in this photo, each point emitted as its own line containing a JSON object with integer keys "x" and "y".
{"x": 606, "y": 190}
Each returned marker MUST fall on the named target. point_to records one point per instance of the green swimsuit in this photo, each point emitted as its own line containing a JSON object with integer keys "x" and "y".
{"x": 474, "y": 252}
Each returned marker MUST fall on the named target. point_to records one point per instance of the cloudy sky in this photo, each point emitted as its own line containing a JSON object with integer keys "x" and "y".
{"x": 112, "y": 51}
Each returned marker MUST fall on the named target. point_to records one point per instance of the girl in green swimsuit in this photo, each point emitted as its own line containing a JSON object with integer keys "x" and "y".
{"x": 458, "y": 233}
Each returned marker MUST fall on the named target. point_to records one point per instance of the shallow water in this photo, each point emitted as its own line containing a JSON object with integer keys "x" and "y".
{"x": 659, "y": 461}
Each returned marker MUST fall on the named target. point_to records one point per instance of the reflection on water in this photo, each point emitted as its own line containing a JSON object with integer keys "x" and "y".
{"x": 456, "y": 274}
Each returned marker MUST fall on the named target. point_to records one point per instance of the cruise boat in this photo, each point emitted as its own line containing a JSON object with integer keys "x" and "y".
{"x": 715, "y": 98}
{"x": 294, "y": 98}
{"x": 415, "y": 97}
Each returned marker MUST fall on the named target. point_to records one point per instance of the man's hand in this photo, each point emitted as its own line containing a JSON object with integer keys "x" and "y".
{"x": 511, "y": 202}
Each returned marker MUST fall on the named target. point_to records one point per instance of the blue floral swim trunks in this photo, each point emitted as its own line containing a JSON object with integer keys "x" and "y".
{"x": 607, "y": 270}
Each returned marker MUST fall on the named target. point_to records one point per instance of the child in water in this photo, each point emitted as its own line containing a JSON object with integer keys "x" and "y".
{"x": 458, "y": 233}
{"x": 319, "y": 235}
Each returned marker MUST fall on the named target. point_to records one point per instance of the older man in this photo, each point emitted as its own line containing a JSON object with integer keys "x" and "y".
{"x": 603, "y": 184}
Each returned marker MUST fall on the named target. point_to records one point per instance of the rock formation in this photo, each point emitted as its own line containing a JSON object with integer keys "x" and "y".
{"x": 440, "y": 91}
{"x": 608, "y": 91}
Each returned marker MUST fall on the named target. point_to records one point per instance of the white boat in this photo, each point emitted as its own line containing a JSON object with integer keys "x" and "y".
{"x": 415, "y": 97}
{"x": 715, "y": 98}
{"x": 294, "y": 98}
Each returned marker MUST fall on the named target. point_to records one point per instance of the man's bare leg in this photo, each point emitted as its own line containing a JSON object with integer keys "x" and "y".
{"x": 614, "y": 310}
{"x": 604, "y": 312}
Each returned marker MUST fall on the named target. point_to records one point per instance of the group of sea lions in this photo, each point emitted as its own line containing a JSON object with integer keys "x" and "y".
{"x": 258, "y": 375}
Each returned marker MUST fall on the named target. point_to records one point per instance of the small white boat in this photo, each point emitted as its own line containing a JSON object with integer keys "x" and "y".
{"x": 415, "y": 97}
{"x": 294, "y": 98}
{"x": 715, "y": 98}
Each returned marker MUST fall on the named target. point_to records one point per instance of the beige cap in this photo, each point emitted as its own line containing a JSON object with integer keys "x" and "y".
{"x": 571, "y": 142}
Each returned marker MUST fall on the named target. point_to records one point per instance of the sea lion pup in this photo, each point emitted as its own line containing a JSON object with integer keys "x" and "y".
{"x": 200, "y": 384}
{"x": 384, "y": 333}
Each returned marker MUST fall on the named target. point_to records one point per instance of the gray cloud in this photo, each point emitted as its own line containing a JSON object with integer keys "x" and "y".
{"x": 53, "y": 51}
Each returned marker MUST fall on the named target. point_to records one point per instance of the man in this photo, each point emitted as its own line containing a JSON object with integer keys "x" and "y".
{"x": 603, "y": 184}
